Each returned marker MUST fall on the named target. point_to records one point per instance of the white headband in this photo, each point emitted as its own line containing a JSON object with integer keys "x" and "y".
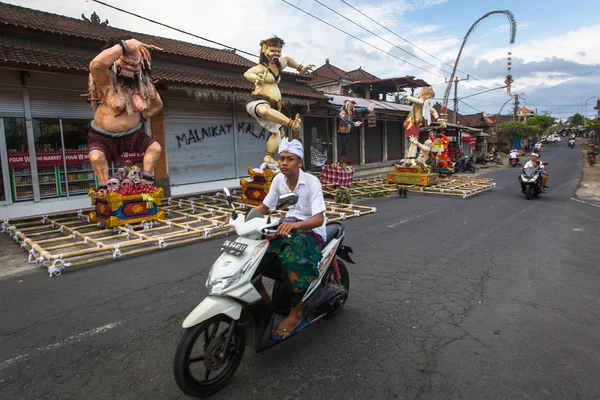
{"x": 294, "y": 146}
{"x": 534, "y": 155}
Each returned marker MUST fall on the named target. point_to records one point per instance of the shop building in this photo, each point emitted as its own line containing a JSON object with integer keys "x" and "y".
{"x": 208, "y": 139}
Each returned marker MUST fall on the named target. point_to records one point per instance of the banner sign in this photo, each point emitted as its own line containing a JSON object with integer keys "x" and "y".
{"x": 20, "y": 159}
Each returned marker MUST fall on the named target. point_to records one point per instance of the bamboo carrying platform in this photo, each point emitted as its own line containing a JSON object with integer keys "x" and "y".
{"x": 362, "y": 188}
{"x": 461, "y": 186}
{"x": 69, "y": 239}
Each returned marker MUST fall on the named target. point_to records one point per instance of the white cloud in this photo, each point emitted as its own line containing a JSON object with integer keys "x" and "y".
{"x": 243, "y": 24}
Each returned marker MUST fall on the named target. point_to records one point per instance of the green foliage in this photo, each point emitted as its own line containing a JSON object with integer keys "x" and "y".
{"x": 592, "y": 125}
{"x": 508, "y": 131}
{"x": 575, "y": 119}
{"x": 343, "y": 196}
{"x": 542, "y": 122}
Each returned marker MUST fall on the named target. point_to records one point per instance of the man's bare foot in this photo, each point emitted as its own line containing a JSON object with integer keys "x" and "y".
{"x": 287, "y": 326}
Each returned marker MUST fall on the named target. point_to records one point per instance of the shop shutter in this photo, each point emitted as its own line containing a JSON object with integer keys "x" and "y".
{"x": 252, "y": 142}
{"x": 11, "y": 102}
{"x": 199, "y": 141}
{"x": 56, "y": 103}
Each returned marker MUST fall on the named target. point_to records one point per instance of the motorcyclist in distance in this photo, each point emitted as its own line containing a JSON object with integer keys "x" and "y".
{"x": 543, "y": 173}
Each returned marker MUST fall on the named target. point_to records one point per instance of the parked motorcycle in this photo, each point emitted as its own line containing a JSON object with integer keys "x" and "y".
{"x": 469, "y": 165}
{"x": 459, "y": 165}
{"x": 234, "y": 314}
{"x": 531, "y": 182}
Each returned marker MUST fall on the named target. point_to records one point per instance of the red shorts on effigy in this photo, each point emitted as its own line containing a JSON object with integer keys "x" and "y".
{"x": 114, "y": 146}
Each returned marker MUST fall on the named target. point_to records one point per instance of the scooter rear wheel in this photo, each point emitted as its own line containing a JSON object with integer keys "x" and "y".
{"x": 344, "y": 281}
{"x": 201, "y": 353}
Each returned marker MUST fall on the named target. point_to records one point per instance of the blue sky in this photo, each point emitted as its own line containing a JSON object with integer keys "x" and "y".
{"x": 556, "y": 56}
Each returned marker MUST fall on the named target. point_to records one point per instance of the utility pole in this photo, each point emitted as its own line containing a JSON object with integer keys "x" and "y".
{"x": 456, "y": 80}
{"x": 515, "y": 116}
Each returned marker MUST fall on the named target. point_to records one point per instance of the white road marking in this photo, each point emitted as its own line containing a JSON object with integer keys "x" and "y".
{"x": 412, "y": 218}
{"x": 585, "y": 202}
{"x": 55, "y": 346}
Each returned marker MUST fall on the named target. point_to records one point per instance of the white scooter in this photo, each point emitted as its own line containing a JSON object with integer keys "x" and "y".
{"x": 234, "y": 314}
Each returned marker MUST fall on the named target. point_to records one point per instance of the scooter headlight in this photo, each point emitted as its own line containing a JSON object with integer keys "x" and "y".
{"x": 218, "y": 285}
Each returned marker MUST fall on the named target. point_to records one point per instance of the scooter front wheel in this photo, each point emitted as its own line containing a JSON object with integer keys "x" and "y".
{"x": 203, "y": 362}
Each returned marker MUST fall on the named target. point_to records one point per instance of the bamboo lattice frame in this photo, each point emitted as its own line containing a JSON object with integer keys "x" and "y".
{"x": 68, "y": 239}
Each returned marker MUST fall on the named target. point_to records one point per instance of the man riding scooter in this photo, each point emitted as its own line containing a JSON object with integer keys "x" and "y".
{"x": 513, "y": 158}
{"x": 544, "y": 172}
{"x": 299, "y": 242}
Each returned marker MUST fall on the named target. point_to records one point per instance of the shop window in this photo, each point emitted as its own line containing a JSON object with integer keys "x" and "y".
{"x": 395, "y": 136}
{"x": 2, "y": 188}
{"x": 18, "y": 159}
{"x": 317, "y": 142}
{"x": 374, "y": 142}
{"x": 80, "y": 175}
{"x": 48, "y": 147}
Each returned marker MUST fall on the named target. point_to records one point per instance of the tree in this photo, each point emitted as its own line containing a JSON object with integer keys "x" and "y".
{"x": 543, "y": 122}
{"x": 575, "y": 119}
{"x": 508, "y": 131}
{"x": 592, "y": 125}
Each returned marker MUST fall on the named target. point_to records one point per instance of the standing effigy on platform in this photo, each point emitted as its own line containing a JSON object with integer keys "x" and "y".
{"x": 413, "y": 170}
{"x": 420, "y": 116}
{"x": 347, "y": 114}
{"x": 265, "y": 107}
{"x": 123, "y": 96}
{"x": 266, "y": 104}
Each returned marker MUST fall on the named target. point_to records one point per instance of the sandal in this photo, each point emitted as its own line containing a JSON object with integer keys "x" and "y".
{"x": 300, "y": 326}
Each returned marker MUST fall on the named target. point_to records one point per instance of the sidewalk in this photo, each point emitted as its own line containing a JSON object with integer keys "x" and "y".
{"x": 589, "y": 185}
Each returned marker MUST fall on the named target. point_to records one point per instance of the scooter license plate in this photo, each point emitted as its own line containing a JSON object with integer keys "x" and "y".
{"x": 234, "y": 248}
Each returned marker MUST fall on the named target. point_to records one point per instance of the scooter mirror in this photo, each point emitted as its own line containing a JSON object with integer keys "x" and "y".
{"x": 288, "y": 199}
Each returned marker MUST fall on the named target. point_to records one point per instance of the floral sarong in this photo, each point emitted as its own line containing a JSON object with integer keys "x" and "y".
{"x": 299, "y": 256}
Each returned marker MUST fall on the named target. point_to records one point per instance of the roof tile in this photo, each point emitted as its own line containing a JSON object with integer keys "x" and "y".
{"x": 58, "y": 24}
{"x": 164, "y": 72}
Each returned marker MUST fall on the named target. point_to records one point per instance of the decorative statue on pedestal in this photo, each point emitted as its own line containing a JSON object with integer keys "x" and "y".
{"x": 122, "y": 95}
{"x": 420, "y": 116}
{"x": 266, "y": 106}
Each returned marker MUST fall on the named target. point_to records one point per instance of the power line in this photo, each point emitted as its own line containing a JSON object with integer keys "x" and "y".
{"x": 212, "y": 41}
{"x": 478, "y": 93}
{"x": 412, "y": 44}
{"x": 469, "y": 106}
{"x": 359, "y": 39}
{"x": 376, "y": 35}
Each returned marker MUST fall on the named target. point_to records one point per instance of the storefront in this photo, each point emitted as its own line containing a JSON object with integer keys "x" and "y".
{"x": 379, "y": 139}
{"x": 43, "y": 141}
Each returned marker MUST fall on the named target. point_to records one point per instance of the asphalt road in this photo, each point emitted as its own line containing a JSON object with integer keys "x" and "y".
{"x": 492, "y": 297}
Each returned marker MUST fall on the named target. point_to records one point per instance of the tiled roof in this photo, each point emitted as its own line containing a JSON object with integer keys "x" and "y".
{"x": 407, "y": 81}
{"x": 474, "y": 120}
{"x": 326, "y": 73}
{"x": 330, "y": 73}
{"x": 360, "y": 75}
{"x": 525, "y": 110}
{"x": 62, "y": 58}
{"x": 501, "y": 118}
{"x": 12, "y": 15}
